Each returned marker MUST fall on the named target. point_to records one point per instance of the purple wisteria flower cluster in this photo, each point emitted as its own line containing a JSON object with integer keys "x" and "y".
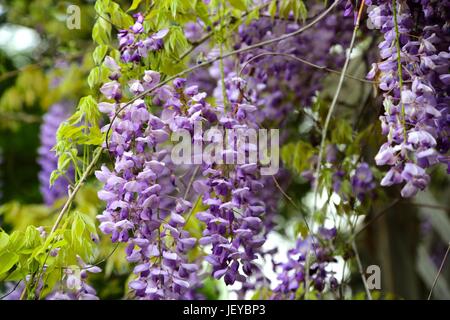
{"x": 135, "y": 44}
{"x": 414, "y": 76}
{"x": 141, "y": 209}
{"x": 362, "y": 181}
{"x": 150, "y": 200}
{"x": 144, "y": 207}
{"x": 278, "y": 82}
{"x": 74, "y": 284}
{"x": 273, "y": 85}
{"x": 236, "y": 211}
{"x": 361, "y": 178}
{"x": 269, "y": 90}
{"x": 142, "y": 191}
{"x": 292, "y": 275}
{"x": 48, "y": 160}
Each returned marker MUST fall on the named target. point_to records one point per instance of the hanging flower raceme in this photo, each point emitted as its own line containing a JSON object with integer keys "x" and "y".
{"x": 359, "y": 174}
{"x": 362, "y": 181}
{"x": 135, "y": 44}
{"x": 278, "y": 82}
{"x": 48, "y": 160}
{"x": 234, "y": 214}
{"x": 416, "y": 121}
{"x": 142, "y": 207}
{"x": 292, "y": 274}
{"x": 231, "y": 192}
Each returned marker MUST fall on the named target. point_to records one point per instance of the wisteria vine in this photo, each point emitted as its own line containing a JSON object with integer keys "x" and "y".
{"x": 165, "y": 71}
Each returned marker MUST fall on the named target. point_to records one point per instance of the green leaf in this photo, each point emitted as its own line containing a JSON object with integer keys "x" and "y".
{"x": 202, "y": 11}
{"x": 101, "y": 6}
{"x": 99, "y": 53}
{"x": 301, "y": 228}
{"x": 273, "y": 8}
{"x": 95, "y": 137}
{"x": 134, "y": 5}
{"x": 94, "y": 77}
{"x": 192, "y": 223}
{"x": 342, "y": 133}
{"x": 303, "y": 10}
{"x": 17, "y": 275}
{"x": 16, "y": 241}
{"x": 346, "y": 187}
{"x": 59, "y": 244}
{"x": 120, "y": 19}
{"x": 32, "y": 237}
{"x": 7, "y": 261}
{"x": 89, "y": 222}
{"x": 176, "y": 43}
{"x": 78, "y": 227}
{"x": 297, "y": 155}
{"x": 173, "y": 7}
{"x": 209, "y": 289}
{"x": 238, "y": 4}
{"x": 285, "y": 8}
{"x": 88, "y": 106}
{"x": 252, "y": 16}
{"x": 101, "y": 32}
{"x": 4, "y": 239}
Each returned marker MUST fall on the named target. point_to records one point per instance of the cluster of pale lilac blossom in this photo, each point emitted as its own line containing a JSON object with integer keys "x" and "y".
{"x": 135, "y": 44}
{"x": 359, "y": 174}
{"x": 141, "y": 209}
{"x": 144, "y": 207}
{"x": 235, "y": 215}
{"x": 74, "y": 284}
{"x": 142, "y": 191}
{"x": 416, "y": 96}
{"x": 278, "y": 83}
{"x": 292, "y": 274}
{"x": 48, "y": 160}
{"x": 144, "y": 210}
{"x": 274, "y": 86}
